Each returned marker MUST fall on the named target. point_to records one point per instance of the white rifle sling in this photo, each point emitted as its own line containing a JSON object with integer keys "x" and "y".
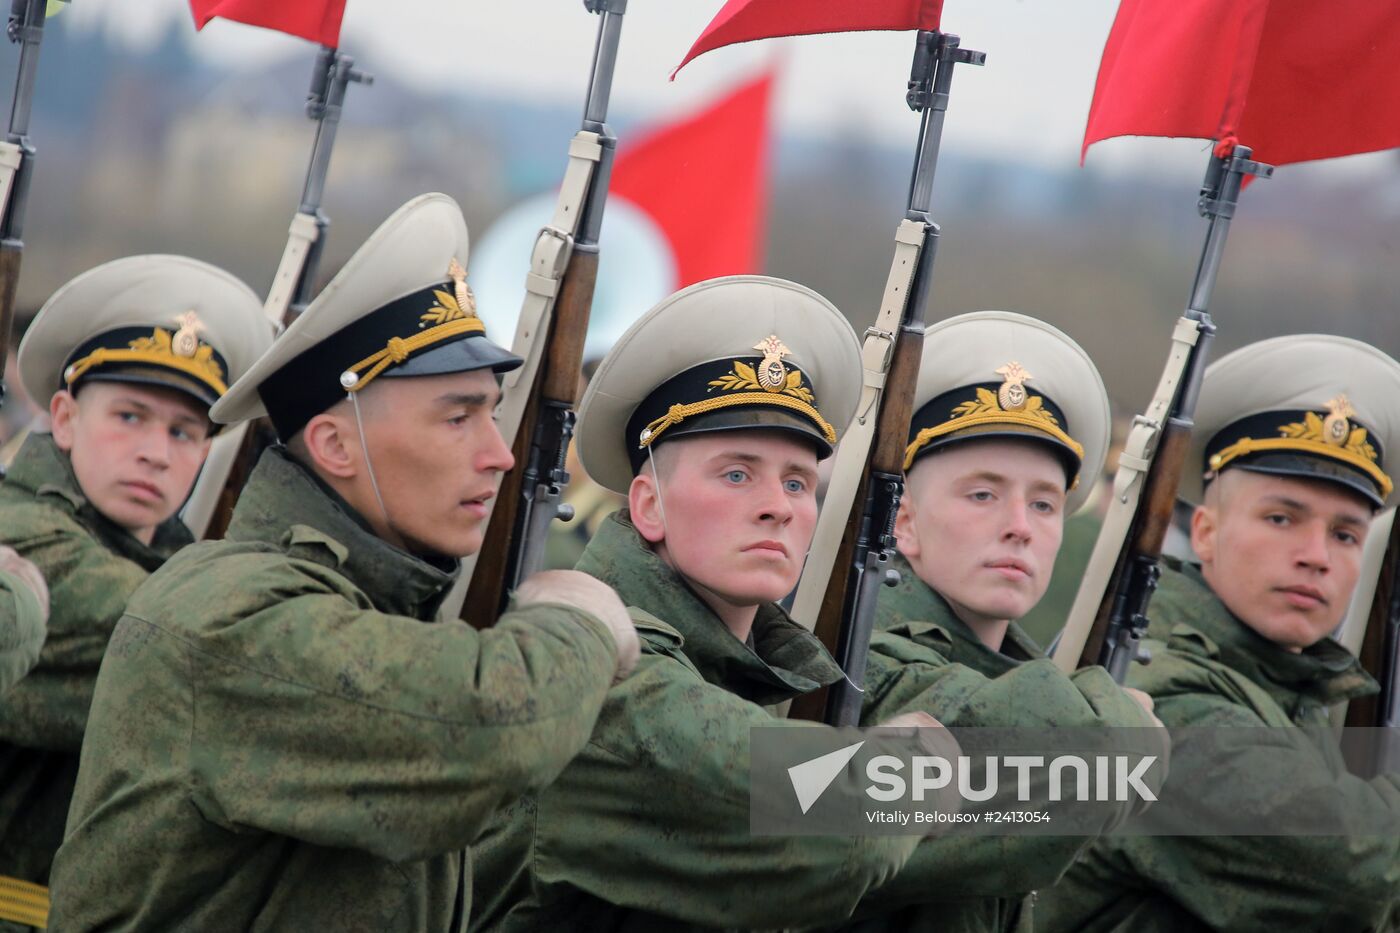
{"x": 1133, "y": 464}
{"x": 198, "y": 510}
{"x": 10, "y": 160}
{"x": 302, "y": 234}
{"x": 550, "y": 258}
{"x": 854, "y": 448}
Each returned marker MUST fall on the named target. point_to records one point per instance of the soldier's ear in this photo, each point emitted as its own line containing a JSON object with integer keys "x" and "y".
{"x": 906, "y": 531}
{"x": 1205, "y": 530}
{"x": 331, "y": 446}
{"x": 644, "y": 505}
{"x": 63, "y": 410}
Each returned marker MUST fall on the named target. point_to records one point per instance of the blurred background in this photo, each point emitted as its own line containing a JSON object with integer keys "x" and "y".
{"x": 154, "y": 138}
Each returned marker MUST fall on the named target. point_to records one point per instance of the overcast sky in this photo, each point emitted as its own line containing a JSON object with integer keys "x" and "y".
{"x": 1028, "y": 103}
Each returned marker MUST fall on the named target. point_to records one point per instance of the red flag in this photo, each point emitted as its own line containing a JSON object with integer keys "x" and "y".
{"x": 1293, "y": 79}
{"x": 704, "y": 181}
{"x": 317, "y": 20}
{"x": 747, "y": 20}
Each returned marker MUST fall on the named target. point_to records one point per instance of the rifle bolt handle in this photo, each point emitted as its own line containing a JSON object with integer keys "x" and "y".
{"x": 565, "y": 513}
{"x": 892, "y": 578}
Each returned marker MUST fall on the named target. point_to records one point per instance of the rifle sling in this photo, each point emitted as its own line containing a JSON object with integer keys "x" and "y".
{"x": 854, "y": 449}
{"x": 1133, "y": 466}
{"x": 11, "y": 158}
{"x": 550, "y": 258}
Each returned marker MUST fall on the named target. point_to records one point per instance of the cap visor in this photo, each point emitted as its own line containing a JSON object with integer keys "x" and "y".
{"x": 156, "y": 378}
{"x": 1312, "y": 468}
{"x": 459, "y": 356}
{"x": 751, "y": 419}
{"x": 1009, "y": 432}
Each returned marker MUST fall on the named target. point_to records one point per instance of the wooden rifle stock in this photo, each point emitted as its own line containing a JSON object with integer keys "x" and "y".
{"x": 882, "y": 476}
{"x": 1381, "y": 644}
{"x": 1122, "y": 613}
{"x": 11, "y": 254}
{"x": 556, "y": 385}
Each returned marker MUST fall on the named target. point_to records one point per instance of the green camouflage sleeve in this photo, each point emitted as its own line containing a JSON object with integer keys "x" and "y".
{"x": 903, "y": 676}
{"x": 21, "y": 630}
{"x": 1277, "y": 882}
{"x": 346, "y": 727}
{"x": 88, "y": 590}
{"x": 654, "y": 816}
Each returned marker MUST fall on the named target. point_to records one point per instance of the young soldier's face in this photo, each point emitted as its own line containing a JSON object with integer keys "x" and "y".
{"x": 1282, "y": 554}
{"x": 136, "y": 450}
{"x": 436, "y": 453}
{"x": 736, "y": 512}
{"x": 981, "y": 523}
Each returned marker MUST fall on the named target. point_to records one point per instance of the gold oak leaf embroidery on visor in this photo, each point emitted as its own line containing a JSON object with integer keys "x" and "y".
{"x": 453, "y": 315}
{"x": 771, "y": 384}
{"x": 188, "y": 355}
{"x": 1012, "y": 404}
{"x": 1332, "y": 436}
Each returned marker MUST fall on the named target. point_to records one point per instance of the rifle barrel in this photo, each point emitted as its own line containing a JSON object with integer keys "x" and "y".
{"x": 595, "y": 111}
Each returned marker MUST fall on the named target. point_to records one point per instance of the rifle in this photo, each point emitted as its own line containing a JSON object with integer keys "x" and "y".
{"x": 1109, "y": 615}
{"x": 536, "y": 414}
{"x": 235, "y": 452}
{"x": 26, "y": 26}
{"x": 855, "y": 541}
{"x": 1380, "y": 646}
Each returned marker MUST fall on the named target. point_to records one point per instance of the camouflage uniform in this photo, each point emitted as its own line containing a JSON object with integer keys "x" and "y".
{"x": 648, "y": 828}
{"x": 1209, "y": 669}
{"x": 295, "y": 747}
{"x": 21, "y": 630}
{"x": 980, "y": 881}
{"x": 92, "y": 566}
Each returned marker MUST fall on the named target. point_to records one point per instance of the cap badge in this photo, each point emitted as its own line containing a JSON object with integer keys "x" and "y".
{"x": 1332, "y": 431}
{"x": 186, "y": 340}
{"x": 461, "y": 303}
{"x": 1336, "y": 429}
{"x": 771, "y": 374}
{"x": 1012, "y": 394}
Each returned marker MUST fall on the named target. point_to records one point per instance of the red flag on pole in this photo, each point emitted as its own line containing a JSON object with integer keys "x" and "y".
{"x": 1293, "y": 79}
{"x": 317, "y": 20}
{"x": 747, "y": 20}
{"x": 704, "y": 181}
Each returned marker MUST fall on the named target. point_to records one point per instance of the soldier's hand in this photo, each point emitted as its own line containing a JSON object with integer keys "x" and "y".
{"x": 1145, "y": 702}
{"x": 28, "y": 574}
{"x": 935, "y": 739}
{"x": 592, "y": 596}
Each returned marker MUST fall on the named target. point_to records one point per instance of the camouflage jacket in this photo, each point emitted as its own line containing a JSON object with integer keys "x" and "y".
{"x": 648, "y": 828}
{"x": 1209, "y": 669}
{"x": 92, "y": 566}
{"x": 282, "y": 739}
{"x": 22, "y": 630}
{"x": 969, "y": 882}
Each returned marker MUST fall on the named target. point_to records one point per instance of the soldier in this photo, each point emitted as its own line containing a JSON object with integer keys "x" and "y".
{"x": 1289, "y": 465}
{"x": 131, "y": 355}
{"x": 1009, "y": 414}
{"x": 282, "y": 737}
{"x": 24, "y": 608}
{"x": 709, "y": 415}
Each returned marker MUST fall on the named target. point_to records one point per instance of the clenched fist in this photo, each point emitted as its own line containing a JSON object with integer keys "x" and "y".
{"x": 581, "y": 591}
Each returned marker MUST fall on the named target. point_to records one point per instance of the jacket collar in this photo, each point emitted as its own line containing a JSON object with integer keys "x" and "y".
{"x": 288, "y": 507}
{"x": 1196, "y": 621}
{"x": 917, "y": 611}
{"x": 783, "y": 661}
{"x": 46, "y": 472}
